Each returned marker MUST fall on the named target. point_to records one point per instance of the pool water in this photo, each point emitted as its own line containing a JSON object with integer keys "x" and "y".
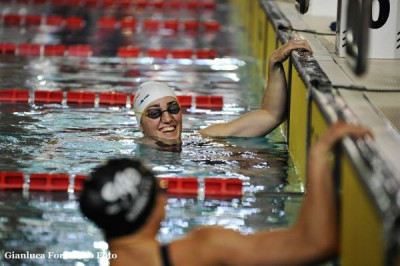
{"x": 61, "y": 138}
{"x": 65, "y": 138}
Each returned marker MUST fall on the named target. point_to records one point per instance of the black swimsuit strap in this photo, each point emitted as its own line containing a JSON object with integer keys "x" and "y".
{"x": 164, "y": 255}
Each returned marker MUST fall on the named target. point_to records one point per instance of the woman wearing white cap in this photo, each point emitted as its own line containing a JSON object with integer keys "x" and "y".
{"x": 159, "y": 115}
{"x": 157, "y": 111}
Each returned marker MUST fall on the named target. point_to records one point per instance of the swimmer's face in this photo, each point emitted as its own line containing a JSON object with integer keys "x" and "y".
{"x": 168, "y": 125}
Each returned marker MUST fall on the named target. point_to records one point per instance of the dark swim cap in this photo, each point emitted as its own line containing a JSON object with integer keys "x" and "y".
{"x": 119, "y": 197}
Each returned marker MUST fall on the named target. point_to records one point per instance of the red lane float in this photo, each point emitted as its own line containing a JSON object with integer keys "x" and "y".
{"x": 83, "y": 50}
{"x": 80, "y": 50}
{"x": 182, "y": 53}
{"x": 57, "y": 2}
{"x": 40, "y": 182}
{"x": 221, "y": 187}
{"x": 209, "y": 4}
{"x": 78, "y": 182}
{"x": 192, "y": 4}
{"x": 171, "y": 24}
{"x": 49, "y": 182}
{"x": 29, "y": 49}
{"x": 7, "y": 48}
{"x": 112, "y": 98}
{"x": 81, "y": 97}
{"x": 157, "y": 4}
{"x": 206, "y": 54}
{"x": 74, "y": 23}
{"x": 157, "y": 53}
{"x": 211, "y": 25}
{"x": 107, "y": 23}
{"x": 129, "y": 51}
{"x": 178, "y": 186}
{"x": 128, "y": 23}
{"x": 54, "y": 21}
{"x": 12, "y": 20}
{"x": 213, "y": 187}
{"x": 151, "y": 24}
{"x": 91, "y": 3}
{"x": 74, "y": 2}
{"x": 77, "y": 97}
{"x": 124, "y": 3}
{"x": 175, "y": 4}
{"x": 184, "y": 186}
{"x": 191, "y": 25}
{"x": 209, "y": 102}
{"x": 54, "y": 50}
{"x": 108, "y": 3}
{"x": 33, "y": 20}
{"x": 42, "y": 96}
{"x": 185, "y": 100}
{"x": 11, "y": 180}
{"x": 141, "y": 3}
{"x": 14, "y": 96}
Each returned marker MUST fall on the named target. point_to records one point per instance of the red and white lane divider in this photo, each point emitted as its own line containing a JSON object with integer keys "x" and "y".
{"x": 16, "y": 20}
{"x": 82, "y": 50}
{"x": 40, "y": 181}
{"x": 15, "y": 96}
{"x": 157, "y": 4}
{"x": 110, "y": 23}
{"x": 214, "y": 187}
{"x": 164, "y": 53}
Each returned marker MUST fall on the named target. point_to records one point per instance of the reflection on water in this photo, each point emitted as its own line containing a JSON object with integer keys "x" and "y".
{"x": 59, "y": 139}
{"x": 65, "y": 138}
{"x": 36, "y": 138}
{"x": 46, "y": 223}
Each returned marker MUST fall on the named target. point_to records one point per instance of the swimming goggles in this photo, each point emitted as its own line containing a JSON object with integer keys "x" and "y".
{"x": 155, "y": 113}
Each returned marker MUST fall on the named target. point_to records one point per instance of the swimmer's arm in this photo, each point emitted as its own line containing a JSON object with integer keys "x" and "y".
{"x": 272, "y": 110}
{"x": 315, "y": 235}
{"x": 282, "y": 247}
{"x": 218, "y": 246}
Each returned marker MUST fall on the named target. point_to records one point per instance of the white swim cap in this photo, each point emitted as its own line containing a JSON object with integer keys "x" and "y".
{"x": 148, "y": 92}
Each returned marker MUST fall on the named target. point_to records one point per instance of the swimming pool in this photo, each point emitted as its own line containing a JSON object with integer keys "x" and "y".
{"x": 71, "y": 138}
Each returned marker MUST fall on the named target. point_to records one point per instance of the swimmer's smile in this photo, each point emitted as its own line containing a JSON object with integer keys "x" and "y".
{"x": 167, "y": 129}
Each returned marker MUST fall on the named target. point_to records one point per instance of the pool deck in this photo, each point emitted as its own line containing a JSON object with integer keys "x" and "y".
{"x": 372, "y": 100}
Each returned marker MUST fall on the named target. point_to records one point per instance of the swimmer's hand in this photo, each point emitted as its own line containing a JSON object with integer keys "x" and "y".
{"x": 272, "y": 111}
{"x": 336, "y": 132}
{"x": 319, "y": 153}
{"x": 283, "y": 52}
